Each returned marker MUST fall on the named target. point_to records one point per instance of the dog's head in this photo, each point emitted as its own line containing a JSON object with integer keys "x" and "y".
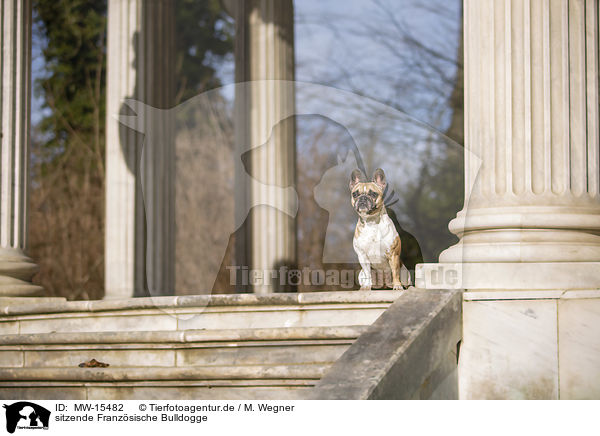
{"x": 367, "y": 197}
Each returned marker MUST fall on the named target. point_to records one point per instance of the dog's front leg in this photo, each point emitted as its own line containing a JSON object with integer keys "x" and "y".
{"x": 396, "y": 266}
{"x": 393, "y": 257}
{"x": 364, "y": 277}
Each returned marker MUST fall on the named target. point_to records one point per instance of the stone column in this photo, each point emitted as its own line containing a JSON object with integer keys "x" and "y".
{"x": 16, "y": 269}
{"x": 529, "y": 250}
{"x": 139, "y": 253}
{"x": 264, "y": 51}
{"x": 531, "y": 116}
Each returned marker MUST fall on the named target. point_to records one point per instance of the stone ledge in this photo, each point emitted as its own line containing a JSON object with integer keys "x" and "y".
{"x": 200, "y": 301}
{"x": 509, "y": 276}
{"x": 526, "y": 294}
{"x": 12, "y": 301}
{"x": 167, "y": 390}
{"x": 212, "y": 383}
{"x": 122, "y": 374}
{"x": 206, "y": 318}
{"x": 188, "y": 336}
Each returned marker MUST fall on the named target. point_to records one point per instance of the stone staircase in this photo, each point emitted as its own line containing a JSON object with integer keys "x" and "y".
{"x": 240, "y": 346}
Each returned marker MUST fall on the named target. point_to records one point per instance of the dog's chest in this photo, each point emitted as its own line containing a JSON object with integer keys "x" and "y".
{"x": 376, "y": 239}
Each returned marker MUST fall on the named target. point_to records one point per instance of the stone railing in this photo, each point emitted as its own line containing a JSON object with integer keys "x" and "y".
{"x": 410, "y": 352}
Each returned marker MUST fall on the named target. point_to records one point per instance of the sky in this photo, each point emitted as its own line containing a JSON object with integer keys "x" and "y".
{"x": 355, "y": 45}
{"x": 37, "y": 71}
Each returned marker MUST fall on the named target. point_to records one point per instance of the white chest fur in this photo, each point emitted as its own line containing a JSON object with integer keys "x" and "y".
{"x": 375, "y": 240}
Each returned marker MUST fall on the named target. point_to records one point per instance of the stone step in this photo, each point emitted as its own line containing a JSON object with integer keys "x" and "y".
{"x": 311, "y": 371}
{"x": 241, "y": 346}
{"x": 180, "y": 349}
{"x": 208, "y": 382}
{"x": 239, "y": 311}
{"x": 158, "y": 390}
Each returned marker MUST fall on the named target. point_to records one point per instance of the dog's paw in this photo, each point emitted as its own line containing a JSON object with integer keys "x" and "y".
{"x": 364, "y": 280}
{"x": 398, "y": 287}
{"x": 365, "y": 288}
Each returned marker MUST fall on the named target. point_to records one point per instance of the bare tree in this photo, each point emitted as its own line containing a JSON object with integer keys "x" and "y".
{"x": 407, "y": 55}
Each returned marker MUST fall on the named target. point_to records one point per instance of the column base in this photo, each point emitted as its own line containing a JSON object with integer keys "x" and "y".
{"x": 569, "y": 232}
{"x": 16, "y": 271}
{"x": 508, "y": 276}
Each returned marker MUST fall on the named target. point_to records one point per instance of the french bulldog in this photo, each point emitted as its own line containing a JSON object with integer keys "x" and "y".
{"x": 376, "y": 240}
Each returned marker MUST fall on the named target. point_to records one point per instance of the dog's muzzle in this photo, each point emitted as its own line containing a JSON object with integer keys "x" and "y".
{"x": 364, "y": 204}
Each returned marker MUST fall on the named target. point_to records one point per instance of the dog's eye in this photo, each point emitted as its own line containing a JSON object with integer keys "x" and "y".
{"x": 355, "y": 194}
{"x": 373, "y": 194}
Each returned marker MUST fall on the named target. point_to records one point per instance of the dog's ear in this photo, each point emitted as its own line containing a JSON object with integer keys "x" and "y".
{"x": 356, "y": 177}
{"x": 379, "y": 178}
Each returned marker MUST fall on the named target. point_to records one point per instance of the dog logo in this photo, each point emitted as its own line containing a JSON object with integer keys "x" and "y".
{"x": 26, "y": 415}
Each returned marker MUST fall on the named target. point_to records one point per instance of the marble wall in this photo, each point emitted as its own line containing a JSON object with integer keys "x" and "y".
{"x": 530, "y": 345}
